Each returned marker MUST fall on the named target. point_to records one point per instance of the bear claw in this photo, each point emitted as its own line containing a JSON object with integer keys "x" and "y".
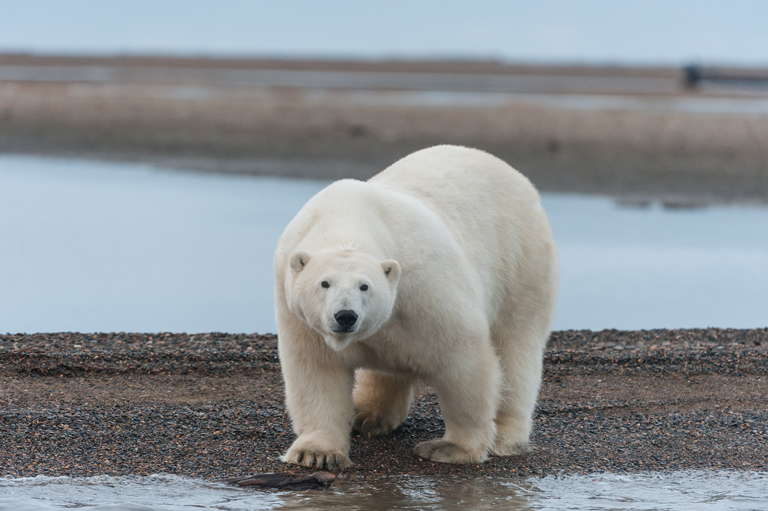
{"x": 319, "y": 459}
{"x": 447, "y": 452}
{"x": 369, "y": 425}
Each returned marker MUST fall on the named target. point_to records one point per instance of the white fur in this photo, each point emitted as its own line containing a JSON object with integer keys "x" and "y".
{"x": 461, "y": 274}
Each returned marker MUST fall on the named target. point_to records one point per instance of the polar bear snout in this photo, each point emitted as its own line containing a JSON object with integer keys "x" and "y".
{"x": 345, "y": 319}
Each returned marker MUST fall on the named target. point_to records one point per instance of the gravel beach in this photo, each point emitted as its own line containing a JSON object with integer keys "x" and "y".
{"x": 211, "y": 405}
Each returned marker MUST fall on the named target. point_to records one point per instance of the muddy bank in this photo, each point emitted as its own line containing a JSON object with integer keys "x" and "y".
{"x": 211, "y": 405}
{"x": 195, "y": 120}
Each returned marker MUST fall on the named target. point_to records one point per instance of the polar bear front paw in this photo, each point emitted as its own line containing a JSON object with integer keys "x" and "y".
{"x": 313, "y": 456}
{"x": 369, "y": 424}
{"x": 448, "y": 452}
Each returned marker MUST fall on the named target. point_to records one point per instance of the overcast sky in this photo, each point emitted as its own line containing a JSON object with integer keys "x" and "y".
{"x": 592, "y": 31}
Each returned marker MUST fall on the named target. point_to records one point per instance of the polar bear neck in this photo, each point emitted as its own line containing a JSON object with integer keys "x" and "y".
{"x": 346, "y": 222}
{"x": 344, "y": 234}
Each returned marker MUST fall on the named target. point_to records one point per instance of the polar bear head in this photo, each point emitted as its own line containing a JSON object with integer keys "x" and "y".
{"x": 345, "y": 295}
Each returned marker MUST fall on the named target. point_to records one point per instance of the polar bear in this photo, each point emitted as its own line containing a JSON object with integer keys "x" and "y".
{"x": 441, "y": 268}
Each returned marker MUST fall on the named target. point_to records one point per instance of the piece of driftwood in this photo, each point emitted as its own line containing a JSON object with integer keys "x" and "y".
{"x": 316, "y": 481}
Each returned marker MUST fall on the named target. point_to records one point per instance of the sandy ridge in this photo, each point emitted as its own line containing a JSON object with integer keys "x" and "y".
{"x": 306, "y": 132}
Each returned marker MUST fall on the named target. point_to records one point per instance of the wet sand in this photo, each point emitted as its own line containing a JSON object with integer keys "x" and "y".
{"x": 211, "y": 405}
{"x": 175, "y": 113}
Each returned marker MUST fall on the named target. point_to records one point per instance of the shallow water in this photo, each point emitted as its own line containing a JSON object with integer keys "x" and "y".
{"x": 679, "y": 491}
{"x": 570, "y": 101}
{"x": 94, "y": 246}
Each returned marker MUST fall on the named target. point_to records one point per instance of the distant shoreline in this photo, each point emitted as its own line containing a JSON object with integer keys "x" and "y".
{"x": 195, "y": 114}
{"x": 447, "y": 65}
{"x": 211, "y": 405}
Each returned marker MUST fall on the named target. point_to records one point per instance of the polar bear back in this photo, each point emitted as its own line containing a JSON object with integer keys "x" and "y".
{"x": 492, "y": 211}
{"x": 446, "y": 177}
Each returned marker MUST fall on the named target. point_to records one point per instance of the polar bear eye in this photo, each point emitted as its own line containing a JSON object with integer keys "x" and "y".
{"x": 325, "y": 284}
{"x": 364, "y": 287}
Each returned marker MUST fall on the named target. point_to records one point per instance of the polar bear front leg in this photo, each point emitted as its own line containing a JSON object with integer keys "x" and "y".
{"x": 318, "y": 391}
{"x": 382, "y": 401}
{"x": 469, "y": 395}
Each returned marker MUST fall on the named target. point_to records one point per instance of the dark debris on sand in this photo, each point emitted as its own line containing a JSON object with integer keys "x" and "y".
{"x": 211, "y": 405}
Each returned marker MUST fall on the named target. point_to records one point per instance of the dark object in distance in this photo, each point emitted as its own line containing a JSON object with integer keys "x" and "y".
{"x": 694, "y": 75}
{"x": 316, "y": 481}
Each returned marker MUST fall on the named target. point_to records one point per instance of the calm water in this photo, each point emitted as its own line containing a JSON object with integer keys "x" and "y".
{"x": 680, "y": 491}
{"x": 93, "y": 246}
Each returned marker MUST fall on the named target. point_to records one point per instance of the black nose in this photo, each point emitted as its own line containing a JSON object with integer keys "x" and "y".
{"x": 346, "y": 318}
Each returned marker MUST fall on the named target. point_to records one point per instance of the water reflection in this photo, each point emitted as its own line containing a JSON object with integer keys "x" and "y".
{"x": 414, "y": 492}
{"x": 93, "y": 246}
{"x": 679, "y": 491}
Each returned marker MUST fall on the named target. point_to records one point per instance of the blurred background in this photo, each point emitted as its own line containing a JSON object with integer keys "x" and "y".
{"x": 598, "y": 32}
{"x": 152, "y": 152}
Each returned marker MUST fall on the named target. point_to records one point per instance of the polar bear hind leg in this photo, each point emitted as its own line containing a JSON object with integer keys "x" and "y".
{"x": 382, "y": 401}
{"x": 521, "y": 353}
{"x": 469, "y": 396}
{"x": 514, "y": 418}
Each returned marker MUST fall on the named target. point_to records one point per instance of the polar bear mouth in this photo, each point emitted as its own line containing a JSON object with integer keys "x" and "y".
{"x": 336, "y": 329}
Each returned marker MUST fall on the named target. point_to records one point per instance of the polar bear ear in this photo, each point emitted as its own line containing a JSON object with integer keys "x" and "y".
{"x": 299, "y": 259}
{"x": 391, "y": 270}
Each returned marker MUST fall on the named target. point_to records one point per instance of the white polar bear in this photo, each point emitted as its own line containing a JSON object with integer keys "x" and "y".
{"x": 441, "y": 268}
